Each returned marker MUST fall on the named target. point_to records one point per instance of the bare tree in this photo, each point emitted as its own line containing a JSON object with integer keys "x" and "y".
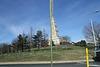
{"x": 45, "y": 38}
{"x": 66, "y": 38}
{"x": 4, "y": 48}
{"x": 23, "y": 40}
{"x": 87, "y": 31}
{"x": 8, "y": 49}
{"x": 31, "y": 41}
{"x": 1, "y": 45}
{"x": 40, "y": 37}
{"x": 14, "y": 44}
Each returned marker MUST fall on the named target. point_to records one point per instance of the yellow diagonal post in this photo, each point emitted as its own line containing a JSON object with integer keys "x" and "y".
{"x": 87, "y": 57}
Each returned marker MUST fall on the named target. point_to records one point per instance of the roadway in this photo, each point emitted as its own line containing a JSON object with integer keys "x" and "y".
{"x": 75, "y": 64}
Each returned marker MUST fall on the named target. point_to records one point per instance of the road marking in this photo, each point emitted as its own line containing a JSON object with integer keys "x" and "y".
{"x": 81, "y": 62}
{"x": 89, "y": 65}
{"x": 95, "y": 65}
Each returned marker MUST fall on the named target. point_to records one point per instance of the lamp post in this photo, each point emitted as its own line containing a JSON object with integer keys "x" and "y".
{"x": 94, "y": 33}
{"x": 51, "y": 17}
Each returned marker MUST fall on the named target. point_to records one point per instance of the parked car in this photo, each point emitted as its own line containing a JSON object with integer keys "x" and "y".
{"x": 97, "y": 57}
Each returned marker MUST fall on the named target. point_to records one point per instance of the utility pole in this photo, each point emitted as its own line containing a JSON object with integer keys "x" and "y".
{"x": 51, "y": 17}
{"x": 94, "y": 33}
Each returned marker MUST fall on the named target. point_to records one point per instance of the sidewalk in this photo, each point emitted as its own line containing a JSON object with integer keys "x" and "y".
{"x": 44, "y": 62}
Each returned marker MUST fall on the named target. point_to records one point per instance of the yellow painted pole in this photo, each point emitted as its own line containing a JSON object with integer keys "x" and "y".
{"x": 87, "y": 57}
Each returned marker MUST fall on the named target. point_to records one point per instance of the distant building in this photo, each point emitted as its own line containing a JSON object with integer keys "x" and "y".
{"x": 55, "y": 34}
{"x": 73, "y": 43}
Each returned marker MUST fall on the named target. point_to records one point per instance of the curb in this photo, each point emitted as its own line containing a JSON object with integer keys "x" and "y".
{"x": 43, "y": 62}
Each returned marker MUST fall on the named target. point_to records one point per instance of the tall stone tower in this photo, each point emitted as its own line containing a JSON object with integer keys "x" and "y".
{"x": 55, "y": 34}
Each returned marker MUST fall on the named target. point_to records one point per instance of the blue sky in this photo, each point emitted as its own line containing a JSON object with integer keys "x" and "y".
{"x": 70, "y": 16}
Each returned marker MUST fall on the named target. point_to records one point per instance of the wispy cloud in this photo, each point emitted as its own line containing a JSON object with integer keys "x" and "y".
{"x": 25, "y": 26}
{"x": 72, "y": 6}
{"x": 16, "y": 30}
{"x": 11, "y": 30}
{"x": 77, "y": 9}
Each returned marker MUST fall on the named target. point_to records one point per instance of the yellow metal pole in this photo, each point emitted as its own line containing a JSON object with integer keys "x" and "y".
{"x": 87, "y": 57}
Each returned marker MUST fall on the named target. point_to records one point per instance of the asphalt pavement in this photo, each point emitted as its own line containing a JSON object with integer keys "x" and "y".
{"x": 75, "y": 64}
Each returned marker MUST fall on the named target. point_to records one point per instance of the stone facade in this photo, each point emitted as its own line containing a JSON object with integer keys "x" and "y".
{"x": 55, "y": 34}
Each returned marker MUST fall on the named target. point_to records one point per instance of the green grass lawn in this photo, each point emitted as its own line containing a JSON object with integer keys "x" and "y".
{"x": 59, "y": 53}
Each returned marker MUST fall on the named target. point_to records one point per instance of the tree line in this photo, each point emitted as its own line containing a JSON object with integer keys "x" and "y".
{"x": 30, "y": 41}
{"x": 26, "y": 42}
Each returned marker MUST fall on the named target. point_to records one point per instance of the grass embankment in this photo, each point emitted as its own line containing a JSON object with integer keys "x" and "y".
{"x": 59, "y": 53}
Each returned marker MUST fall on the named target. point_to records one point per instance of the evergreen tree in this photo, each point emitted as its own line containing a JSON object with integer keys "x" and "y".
{"x": 20, "y": 42}
{"x": 83, "y": 43}
{"x": 38, "y": 39}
